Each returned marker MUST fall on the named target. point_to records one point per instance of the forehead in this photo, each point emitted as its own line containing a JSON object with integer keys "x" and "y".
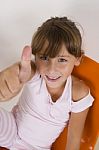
{"x": 62, "y": 51}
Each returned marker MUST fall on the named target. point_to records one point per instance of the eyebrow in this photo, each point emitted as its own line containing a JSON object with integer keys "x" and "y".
{"x": 57, "y": 56}
{"x": 63, "y": 56}
{"x": 41, "y": 54}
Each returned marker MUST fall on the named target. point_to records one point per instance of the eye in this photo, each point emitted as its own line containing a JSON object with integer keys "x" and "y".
{"x": 44, "y": 58}
{"x": 62, "y": 60}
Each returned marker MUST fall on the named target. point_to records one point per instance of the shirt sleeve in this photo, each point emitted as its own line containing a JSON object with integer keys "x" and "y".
{"x": 82, "y": 104}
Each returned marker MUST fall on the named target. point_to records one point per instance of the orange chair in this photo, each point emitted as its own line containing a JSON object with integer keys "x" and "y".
{"x": 89, "y": 72}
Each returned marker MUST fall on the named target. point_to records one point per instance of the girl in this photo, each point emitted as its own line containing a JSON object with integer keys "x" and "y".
{"x": 52, "y": 98}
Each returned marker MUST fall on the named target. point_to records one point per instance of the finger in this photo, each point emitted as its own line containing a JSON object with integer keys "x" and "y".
{"x": 9, "y": 88}
{"x": 26, "y": 54}
{"x": 13, "y": 85}
{"x": 1, "y": 96}
{"x": 4, "y": 91}
{"x": 25, "y": 66}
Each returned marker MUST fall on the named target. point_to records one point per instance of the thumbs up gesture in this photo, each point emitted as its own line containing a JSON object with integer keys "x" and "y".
{"x": 13, "y": 78}
{"x": 25, "y": 65}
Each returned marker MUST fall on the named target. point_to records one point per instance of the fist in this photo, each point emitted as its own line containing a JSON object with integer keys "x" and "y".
{"x": 13, "y": 78}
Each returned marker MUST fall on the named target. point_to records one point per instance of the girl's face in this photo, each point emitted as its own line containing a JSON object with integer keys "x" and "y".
{"x": 56, "y": 70}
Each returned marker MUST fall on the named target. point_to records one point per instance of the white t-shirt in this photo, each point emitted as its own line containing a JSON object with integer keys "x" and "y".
{"x": 39, "y": 119}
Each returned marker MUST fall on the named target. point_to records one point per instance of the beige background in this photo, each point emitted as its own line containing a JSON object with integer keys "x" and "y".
{"x": 20, "y": 18}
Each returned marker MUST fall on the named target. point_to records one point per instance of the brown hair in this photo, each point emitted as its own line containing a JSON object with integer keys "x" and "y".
{"x": 55, "y": 32}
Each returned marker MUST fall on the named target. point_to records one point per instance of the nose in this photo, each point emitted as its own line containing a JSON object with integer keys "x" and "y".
{"x": 51, "y": 66}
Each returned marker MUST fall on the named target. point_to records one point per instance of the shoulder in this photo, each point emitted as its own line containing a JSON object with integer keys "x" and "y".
{"x": 79, "y": 89}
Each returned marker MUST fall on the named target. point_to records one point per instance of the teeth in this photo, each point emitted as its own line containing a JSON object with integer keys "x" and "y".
{"x": 52, "y": 78}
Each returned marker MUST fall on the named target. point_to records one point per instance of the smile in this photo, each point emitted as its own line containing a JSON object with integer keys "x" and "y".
{"x": 52, "y": 79}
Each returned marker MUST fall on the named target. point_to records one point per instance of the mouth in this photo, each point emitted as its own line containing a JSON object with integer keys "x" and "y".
{"x": 52, "y": 79}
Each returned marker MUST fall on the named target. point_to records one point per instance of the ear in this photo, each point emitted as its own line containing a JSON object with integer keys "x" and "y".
{"x": 78, "y": 60}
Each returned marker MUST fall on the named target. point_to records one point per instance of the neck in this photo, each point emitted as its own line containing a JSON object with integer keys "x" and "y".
{"x": 56, "y": 92}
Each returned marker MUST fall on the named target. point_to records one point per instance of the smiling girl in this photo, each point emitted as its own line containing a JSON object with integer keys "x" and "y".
{"x": 51, "y": 98}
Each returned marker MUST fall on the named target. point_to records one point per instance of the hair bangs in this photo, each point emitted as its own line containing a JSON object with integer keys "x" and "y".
{"x": 48, "y": 42}
{"x": 54, "y": 42}
{"x": 38, "y": 42}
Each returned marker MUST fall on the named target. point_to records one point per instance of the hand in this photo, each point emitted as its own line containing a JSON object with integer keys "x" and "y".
{"x": 13, "y": 78}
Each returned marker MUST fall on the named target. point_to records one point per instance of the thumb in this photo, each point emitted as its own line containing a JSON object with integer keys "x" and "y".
{"x": 25, "y": 65}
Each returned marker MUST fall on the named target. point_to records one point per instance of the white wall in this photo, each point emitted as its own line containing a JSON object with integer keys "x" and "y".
{"x": 20, "y": 18}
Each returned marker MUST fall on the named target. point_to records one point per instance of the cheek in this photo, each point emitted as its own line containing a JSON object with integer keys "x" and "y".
{"x": 67, "y": 70}
{"x": 40, "y": 67}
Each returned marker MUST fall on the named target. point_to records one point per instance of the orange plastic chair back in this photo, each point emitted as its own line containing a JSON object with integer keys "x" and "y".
{"x": 88, "y": 71}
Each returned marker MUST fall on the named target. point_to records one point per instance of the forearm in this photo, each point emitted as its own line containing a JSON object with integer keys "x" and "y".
{"x": 75, "y": 130}
{"x": 73, "y": 144}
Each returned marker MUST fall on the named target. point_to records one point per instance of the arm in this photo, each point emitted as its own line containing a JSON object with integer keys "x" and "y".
{"x": 75, "y": 129}
{"x": 77, "y": 120}
{"x": 13, "y": 78}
